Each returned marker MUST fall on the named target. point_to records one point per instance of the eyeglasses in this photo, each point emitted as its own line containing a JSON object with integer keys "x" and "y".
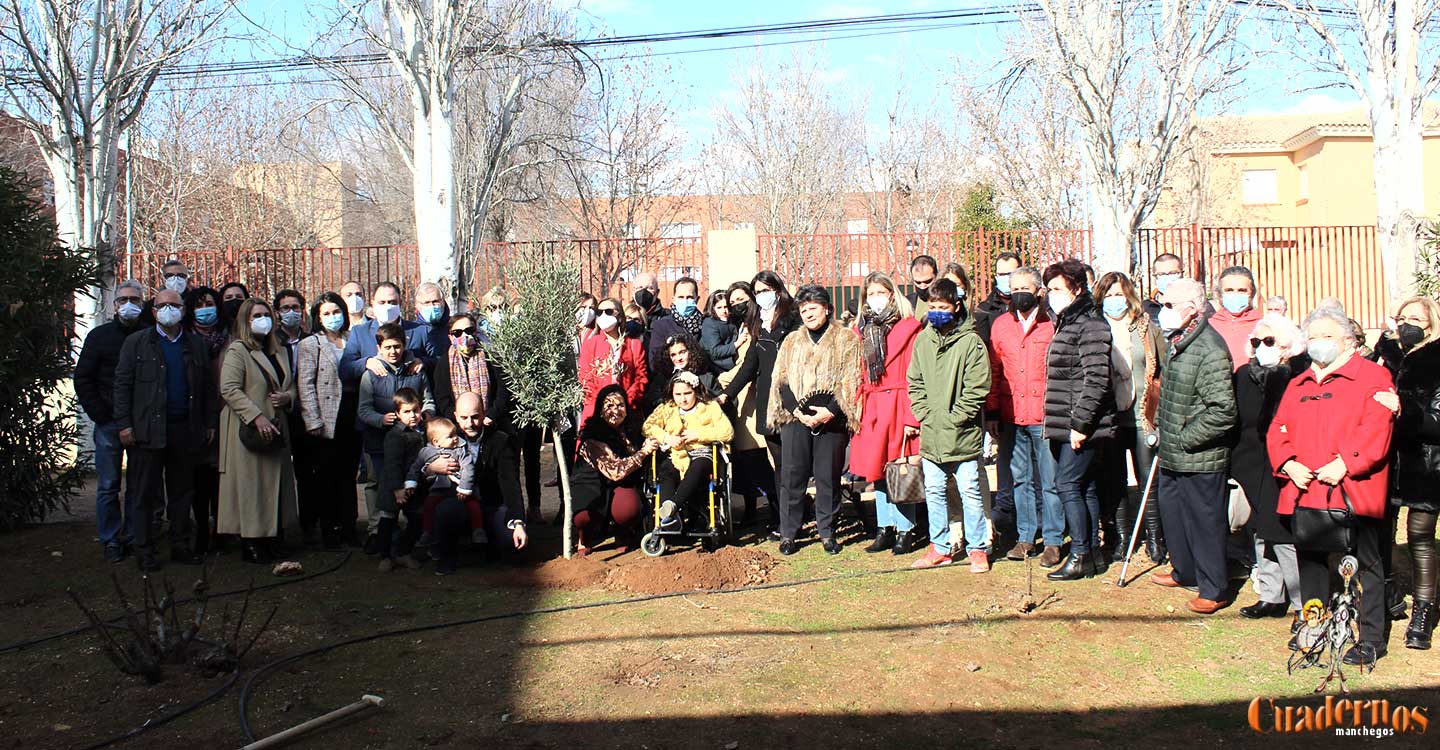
{"x": 1268, "y": 341}
{"x": 132, "y": 299}
{"x": 168, "y": 306}
{"x": 608, "y": 311}
{"x": 461, "y": 331}
{"x": 176, "y": 275}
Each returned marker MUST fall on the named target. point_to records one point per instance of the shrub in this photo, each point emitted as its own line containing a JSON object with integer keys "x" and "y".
{"x": 39, "y": 470}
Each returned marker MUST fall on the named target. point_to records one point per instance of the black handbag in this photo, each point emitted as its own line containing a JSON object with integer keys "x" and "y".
{"x": 1327, "y": 529}
{"x": 250, "y": 436}
{"x": 905, "y": 480}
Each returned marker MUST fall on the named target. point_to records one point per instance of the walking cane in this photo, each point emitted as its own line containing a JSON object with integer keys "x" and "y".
{"x": 1139, "y": 518}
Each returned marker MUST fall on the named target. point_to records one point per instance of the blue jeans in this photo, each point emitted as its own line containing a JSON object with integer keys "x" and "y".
{"x": 902, "y": 517}
{"x": 1075, "y": 479}
{"x": 1032, "y": 464}
{"x": 111, "y": 518}
{"x": 967, "y": 483}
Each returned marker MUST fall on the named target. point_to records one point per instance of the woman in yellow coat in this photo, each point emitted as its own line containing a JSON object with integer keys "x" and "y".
{"x": 257, "y": 488}
{"x": 686, "y": 425}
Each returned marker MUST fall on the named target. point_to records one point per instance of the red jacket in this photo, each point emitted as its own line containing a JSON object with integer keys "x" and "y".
{"x": 885, "y": 408}
{"x": 1316, "y": 422}
{"x": 1017, "y": 369}
{"x": 596, "y": 371}
{"x": 1236, "y": 330}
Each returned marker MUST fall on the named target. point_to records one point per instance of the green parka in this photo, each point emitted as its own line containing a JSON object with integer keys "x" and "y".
{"x": 1197, "y": 404}
{"x": 949, "y": 379}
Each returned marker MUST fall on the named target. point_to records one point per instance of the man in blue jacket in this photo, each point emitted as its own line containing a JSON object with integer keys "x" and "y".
{"x": 387, "y": 307}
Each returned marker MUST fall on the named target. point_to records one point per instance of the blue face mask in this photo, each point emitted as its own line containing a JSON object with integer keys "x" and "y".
{"x": 333, "y": 322}
{"x": 634, "y": 328}
{"x": 1235, "y": 302}
{"x": 1162, "y": 282}
{"x": 1115, "y": 307}
{"x": 431, "y": 313}
{"x": 684, "y": 307}
{"x": 1002, "y": 284}
{"x": 206, "y": 316}
{"x": 940, "y": 319}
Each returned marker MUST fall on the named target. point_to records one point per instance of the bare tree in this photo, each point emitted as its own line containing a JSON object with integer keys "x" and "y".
{"x": 1374, "y": 47}
{"x": 912, "y": 171}
{"x": 88, "y": 68}
{"x": 1137, "y": 75}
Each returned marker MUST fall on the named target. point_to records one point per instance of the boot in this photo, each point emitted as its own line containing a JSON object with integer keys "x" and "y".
{"x": 1422, "y": 625}
{"x": 1076, "y": 567}
{"x": 1154, "y": 535}
{"x": 1394, "y": 601}
{"x": 884, "y": 539}
{"x": 908, "y": 542}
{"x": 1122, "y": 543}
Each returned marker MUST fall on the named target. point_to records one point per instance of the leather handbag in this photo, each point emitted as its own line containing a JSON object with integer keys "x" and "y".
{"x": 250, "y": 436}
{"x": 1327, "y": 529}
{"x": 905, "y": 480}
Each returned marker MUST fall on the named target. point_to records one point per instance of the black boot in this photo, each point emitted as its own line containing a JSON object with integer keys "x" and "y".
{"x": 1077, "y": 566}
{"x": 1122, "y": 543}
{"x": 1394, "y": 601}
{"x": 1422, "y": 625}
{"x": 908, "y": 542}
{"x": 884, "y": 539}
{"x": 1154, "y": 535}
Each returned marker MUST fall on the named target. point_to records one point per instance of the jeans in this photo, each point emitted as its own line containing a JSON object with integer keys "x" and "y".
{"x": 902, "y": 517}
{"x": 967, "y": 485}
{"x": 1076, "y": 473}
{"x": 1032, "y": 464}
{"x": 111, "y": 518}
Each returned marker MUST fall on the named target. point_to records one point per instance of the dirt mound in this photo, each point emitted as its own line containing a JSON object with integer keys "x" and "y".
{"x": 575, "y": 573}
{"x": 693, "y": 570}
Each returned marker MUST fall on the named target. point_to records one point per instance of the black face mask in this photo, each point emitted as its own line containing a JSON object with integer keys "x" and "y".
{"x": 922, "y": 294}
{"x": 231, "y": 307}
{"x": 644, "y": 298}
{"x": 1023, "y": 302}
{"x": 739, "y": 312}
{"x": 1409, "y": 335}
{"x": 634, "y": 328}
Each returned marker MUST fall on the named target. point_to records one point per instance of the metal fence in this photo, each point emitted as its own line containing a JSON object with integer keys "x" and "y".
{"x": 264, "y": 271}
{"x": 607, "y": 266}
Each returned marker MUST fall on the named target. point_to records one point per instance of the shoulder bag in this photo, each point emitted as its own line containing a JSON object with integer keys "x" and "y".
{"x": 250, "y": 435}
{"x": 1327, "y": 529}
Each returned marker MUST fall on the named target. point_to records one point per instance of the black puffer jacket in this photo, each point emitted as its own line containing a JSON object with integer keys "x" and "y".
{"x": 1078, "y": 394}
{"x": 1417, "y": 433}
{"x": 95, "y": 370}
{"x": 987, "y": 311}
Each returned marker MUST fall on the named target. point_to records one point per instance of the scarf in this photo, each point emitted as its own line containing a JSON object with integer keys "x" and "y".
{"x": 216, "y": 339}
{"x": 691, "y": 323}
{"x": 875, "y": 330}
{"x": 469, "y": 374}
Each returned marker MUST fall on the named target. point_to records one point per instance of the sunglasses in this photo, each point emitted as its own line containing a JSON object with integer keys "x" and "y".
{"x": 1268, "y": 341}
{"x": 608, "y": 311}
{"x": 462, "y": 331}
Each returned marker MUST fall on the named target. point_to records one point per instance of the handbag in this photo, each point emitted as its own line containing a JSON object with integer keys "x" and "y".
{"x": 905, "y": 480}
{"x": 1238, "y": 510}
{"x": 250, "y": 436}
{"x": 1327, "y": 529}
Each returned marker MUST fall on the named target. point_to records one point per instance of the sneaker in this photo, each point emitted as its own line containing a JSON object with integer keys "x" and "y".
{"x": 669, "y": 517}
{"x": 407, "y": 561}
{"x": 478, "y": 536}
{"x": 932, "y": 559}
{"x": 386, "y": 565}
{"x": 979, "y": 562}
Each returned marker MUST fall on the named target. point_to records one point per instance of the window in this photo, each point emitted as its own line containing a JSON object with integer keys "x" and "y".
{"x": 1258, "y": 187}
{"x": 676, "y": 273}
{"x": 681, "y": 230}
{"x": 857, "y": 226}
{"x": 860, "y": 269}
{"x": 1304, "y": 183}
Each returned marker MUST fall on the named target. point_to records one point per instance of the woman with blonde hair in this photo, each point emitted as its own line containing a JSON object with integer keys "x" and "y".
{"x": 1417, "y": 455}
{"x": 257, "y": 478}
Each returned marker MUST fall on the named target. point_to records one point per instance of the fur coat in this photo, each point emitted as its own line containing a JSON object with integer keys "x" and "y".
{"x": 831, "y": 365}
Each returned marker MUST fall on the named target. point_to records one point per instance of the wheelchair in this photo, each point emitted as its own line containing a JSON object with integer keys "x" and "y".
{"x": 721, "y": 518}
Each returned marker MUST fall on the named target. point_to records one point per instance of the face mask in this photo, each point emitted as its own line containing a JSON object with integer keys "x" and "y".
{"x": 387, "y": 312}
{"x": 333, "y": 322}
{"x": 231, "y": 308}
{"x": 1323, "y": 352}
{"x": 261, "y": 326}
{"x": 878, "y": 303}
{"x": 1115, "y": 307}
{"x": 644, "y": 298}
{"x": 356, "y": 303}
{"x": 1170, "y": 319}
{"x": 922, "y": 294}
{"x": 739, "y": 312}
{"x": 939, "y": 319}
{"x": 1235, "y": 302}
{"x": 464, "y": 342}
{"x": 634, "y": 328}
{"x": 1059, "y": 301}
{"x": 1024, "y": 302}
{"x": 606, "y": 322}
{"x": 206, "y": 316}
{"x": 292, "y": 318}
{"x": 1267, "y": 356}
{"x": 585, "y": 316}
{"x": 168, "y": 316}
{"x": 1162, "y": 282}
{"x": 684, "y": 307}
{"x": 1002, "y": 284}
{"x": 766, "y": 300}
{"x": 129, "y": 312}
{"x": 431, "y": 313}
{"x": 176, "y": 284}
{"x": 1409, "y": 334}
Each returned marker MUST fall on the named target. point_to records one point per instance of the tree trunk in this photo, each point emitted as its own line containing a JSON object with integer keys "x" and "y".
{"x": 568, "y": 527}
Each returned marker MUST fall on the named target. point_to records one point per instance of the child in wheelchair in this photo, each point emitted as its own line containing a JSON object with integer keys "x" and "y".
{"x": 686, "y": 424}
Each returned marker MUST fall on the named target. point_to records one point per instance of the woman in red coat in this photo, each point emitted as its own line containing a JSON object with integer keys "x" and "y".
{"x": 1329, "y": 441}
{"x": 888, "y": 430}
{"x": 612, "y": 357}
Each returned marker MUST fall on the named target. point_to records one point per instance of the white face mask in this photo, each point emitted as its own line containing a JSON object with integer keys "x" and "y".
{"x": 1059, "y": 301}
{"x": 387, "y": 312}
{"x": 878, "y": 302}
{"x": 1267, "y": 356}
{"x": 356, "y": 303}
{"x": 766, "y": 300}
{"x": 168, "y": 316}
{"x": 261, "y": 326}
{"x": 1170, "y": 319}
{"x": 129, "y": 311}
{"x": 176, "y": 284}
{"x": 585, "y": 316}
{"x": 606, "y": 322}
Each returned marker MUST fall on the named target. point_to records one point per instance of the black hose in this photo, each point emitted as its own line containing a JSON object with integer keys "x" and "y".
{"x": 167, "y": 718}
{"x": 21, "y": 645}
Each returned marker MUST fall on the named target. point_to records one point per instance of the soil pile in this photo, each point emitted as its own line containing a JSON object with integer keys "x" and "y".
{"x": 575, "y": 573}
{"x": 693, "y": 570}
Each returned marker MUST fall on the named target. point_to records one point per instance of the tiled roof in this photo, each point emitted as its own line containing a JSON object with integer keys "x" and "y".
{"x": 1288, "y": 132}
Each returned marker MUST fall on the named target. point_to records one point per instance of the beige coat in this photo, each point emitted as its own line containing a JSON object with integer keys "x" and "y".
{"x": 318, "y": 380}
{"x": 257, "y": 491}
{"x": 747, "y": 434}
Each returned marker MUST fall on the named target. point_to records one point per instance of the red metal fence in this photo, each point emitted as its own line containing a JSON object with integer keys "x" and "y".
{"x": 264, "y": 271}
{"x": 606, "y": 265}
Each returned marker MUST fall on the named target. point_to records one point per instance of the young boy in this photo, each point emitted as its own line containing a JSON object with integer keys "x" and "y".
{"x": 375, "y": 410}
{"x": 949, "y": 380}
{"x": 401, "y": 446}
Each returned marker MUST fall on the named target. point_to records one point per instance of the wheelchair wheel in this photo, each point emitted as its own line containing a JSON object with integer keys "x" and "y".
{"x": 652, "y": 544}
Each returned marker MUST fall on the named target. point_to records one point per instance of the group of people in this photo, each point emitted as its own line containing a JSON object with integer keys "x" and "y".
{"x": 1237, "y": 425}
